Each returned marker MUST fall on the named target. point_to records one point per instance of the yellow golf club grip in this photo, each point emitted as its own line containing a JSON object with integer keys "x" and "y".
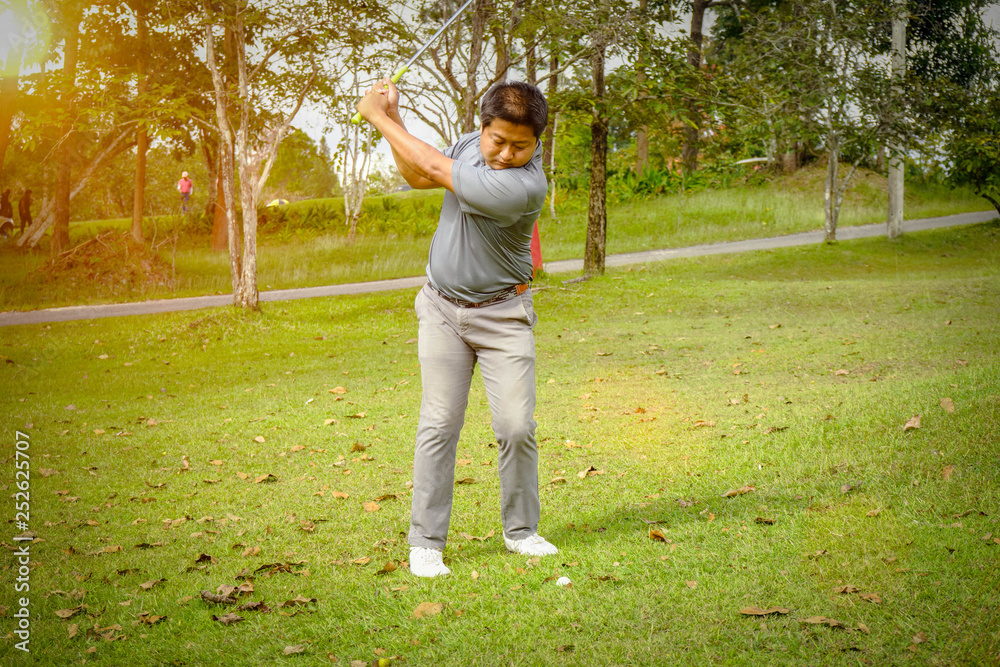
{"x": 356, "y": 118}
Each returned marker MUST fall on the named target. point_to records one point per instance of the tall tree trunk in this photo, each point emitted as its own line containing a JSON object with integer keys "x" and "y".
{"x": 11, "y": 76}
{"x": 64, "y": 175}
{"x": 642, "y": 134}
{"x": 597, "y": 215}
{"x": 830, "y": 209}
{"x": 245, "y": 292}
{"x": 549, "y": 137}
{"x": 139, "y": 196}
{"x": 210, "y": 153}
{"x": 220, "y": 221}
{"x": 470, "y": 90}
{"x": 692, "y": 131}
{"x": 894, "y": 219}
{"x": 226, "y": 157}
{"x": 142, "y": 132}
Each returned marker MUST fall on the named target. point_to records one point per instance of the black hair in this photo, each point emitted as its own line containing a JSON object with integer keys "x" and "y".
{"x": 516, "y": 102}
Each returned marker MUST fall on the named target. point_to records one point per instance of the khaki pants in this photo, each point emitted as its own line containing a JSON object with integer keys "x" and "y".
{"x": 452, "y": 339}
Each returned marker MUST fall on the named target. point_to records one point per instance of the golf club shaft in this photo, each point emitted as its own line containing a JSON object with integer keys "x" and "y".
{"x": 406, "y": 66}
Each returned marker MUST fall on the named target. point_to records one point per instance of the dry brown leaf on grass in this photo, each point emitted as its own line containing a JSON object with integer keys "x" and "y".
{"x": 371, "y": 506}
{"x": 913, "y": 423}
{"x": 946, "y": 472}
{"x": 947, "y": 404}
{"x": 216, "y": 598}
{"x": 292, "y": 650}
{"x": 846, "y": 590}
{"x": 72, "y": 611}
{"x": 387, "y": 568}
{"x": 149, "y": 584}
{"x": 427, "y": 609}
{"x": 739, "y": 492}
{"x": 227, "y": 619}
{"x": 297, "y": 601}
{"x": 265, "y": 479}
{"x": 757, "y": 611}
{"x": 466, "y": 480}
{"x": 703, "y": 424}
{"x": 657, "y": 535}
{"x": 145, "y": 618}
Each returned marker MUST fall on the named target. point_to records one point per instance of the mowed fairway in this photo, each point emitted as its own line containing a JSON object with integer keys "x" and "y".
{"x": 271, "y": 452}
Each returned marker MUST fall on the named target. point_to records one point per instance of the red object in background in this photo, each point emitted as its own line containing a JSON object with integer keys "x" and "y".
{"x": 536, "y": 251}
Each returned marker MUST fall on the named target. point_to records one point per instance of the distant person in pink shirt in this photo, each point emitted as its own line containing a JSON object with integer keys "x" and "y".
{"x": 185, "y": 186}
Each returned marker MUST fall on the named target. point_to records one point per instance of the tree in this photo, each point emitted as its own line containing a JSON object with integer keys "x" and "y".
{"x": 597, "y": 214}
{"x": 973, "y": 141}
{"x": 279, "y": 47}
{"x": 953, "y": 70}
{"x": 609, "y": 27}
{"x": 72, "y": 16}
{"x": 142, "y": 131}
{"x": 817, "y": 76}
{"x": 453, "y": 79}
{"x": 364, "y": 62}
{"x": 694, "y": 120}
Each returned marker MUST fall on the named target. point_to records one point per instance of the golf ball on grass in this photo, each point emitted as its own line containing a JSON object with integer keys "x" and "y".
{"x": 563, "y": 581}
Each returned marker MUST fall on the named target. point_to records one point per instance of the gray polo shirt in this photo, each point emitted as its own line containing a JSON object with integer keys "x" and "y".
{"x": 483, "y": 239}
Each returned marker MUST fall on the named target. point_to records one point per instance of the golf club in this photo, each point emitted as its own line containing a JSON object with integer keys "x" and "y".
{"x": 402, "y": 70}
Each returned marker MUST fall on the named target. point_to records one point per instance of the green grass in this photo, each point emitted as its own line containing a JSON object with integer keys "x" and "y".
{"x": 793, "y": 371}
{"x": 393, "y": 240}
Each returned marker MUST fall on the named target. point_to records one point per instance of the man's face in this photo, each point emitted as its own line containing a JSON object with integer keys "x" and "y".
{"x": 505, "y": 145}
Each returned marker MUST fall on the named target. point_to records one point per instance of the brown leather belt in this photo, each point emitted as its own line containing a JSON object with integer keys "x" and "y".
{"x": 502, "y": 295}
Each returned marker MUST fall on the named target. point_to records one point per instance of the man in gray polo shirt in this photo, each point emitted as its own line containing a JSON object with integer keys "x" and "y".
{"x": 476, "y": 307}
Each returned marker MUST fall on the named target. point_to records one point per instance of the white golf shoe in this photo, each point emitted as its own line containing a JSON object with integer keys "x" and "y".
{"x": 426, "y": 562}
{"x": 534, "y": 545}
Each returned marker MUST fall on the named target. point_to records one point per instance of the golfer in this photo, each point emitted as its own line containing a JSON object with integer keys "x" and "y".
{"x": 476, "y": 307}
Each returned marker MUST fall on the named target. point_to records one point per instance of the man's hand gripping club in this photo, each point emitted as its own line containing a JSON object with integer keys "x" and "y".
{"x": 421, "y": 165}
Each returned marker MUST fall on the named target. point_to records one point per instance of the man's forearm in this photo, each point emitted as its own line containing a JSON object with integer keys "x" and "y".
{"x": 414, "y": 179}
{"x": 422, "y": 165}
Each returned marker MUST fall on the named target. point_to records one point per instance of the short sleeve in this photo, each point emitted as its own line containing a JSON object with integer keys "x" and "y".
{"x": 498, "y": 194}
